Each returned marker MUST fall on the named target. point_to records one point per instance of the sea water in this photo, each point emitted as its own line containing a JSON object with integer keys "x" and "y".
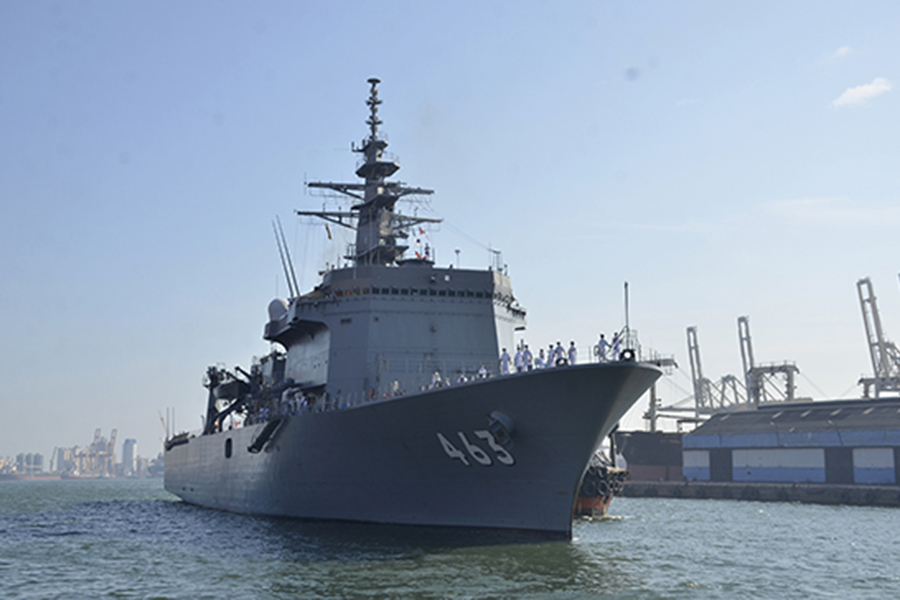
{"x": 131, "y": 539}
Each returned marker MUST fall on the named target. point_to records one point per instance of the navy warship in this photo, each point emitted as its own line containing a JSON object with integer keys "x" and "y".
{"x": 382, "y": 400}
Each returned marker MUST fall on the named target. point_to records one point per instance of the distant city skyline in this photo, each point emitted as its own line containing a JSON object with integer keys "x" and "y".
{"x": 725, "y": 159}
{"x": 125, "y": 455}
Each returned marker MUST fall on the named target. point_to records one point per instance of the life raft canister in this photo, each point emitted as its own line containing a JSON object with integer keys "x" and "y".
{"x": 627, "y": 355}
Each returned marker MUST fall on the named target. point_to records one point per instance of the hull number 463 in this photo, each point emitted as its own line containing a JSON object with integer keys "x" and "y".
{"x": 476, "y": 452}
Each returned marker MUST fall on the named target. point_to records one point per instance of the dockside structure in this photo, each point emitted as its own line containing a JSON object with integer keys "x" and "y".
{"x": 834, "y": 442}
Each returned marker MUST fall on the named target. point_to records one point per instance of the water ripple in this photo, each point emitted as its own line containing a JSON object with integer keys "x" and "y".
{"x": 129, "y": 539}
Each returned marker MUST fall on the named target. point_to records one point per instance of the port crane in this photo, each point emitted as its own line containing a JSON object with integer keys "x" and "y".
{"x": 97, "y": 460}
{"x": 762, "y": 381}
{"x": 885, "y": 355}
{"x": 710, "y": 396}
{"x": 761, "y": 384}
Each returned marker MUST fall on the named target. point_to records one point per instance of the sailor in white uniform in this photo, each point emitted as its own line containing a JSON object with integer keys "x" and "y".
{"x": 559, "y": 355}
{"x": 529, "y": 359}
{"x": 572, "y": 353}
{"x": 519, "y": 360}
{"x": 504, "y": 363}
{"x": 602, "y": 348}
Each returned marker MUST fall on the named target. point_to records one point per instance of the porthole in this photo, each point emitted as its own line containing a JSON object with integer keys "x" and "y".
{"x": 228, "y": 448}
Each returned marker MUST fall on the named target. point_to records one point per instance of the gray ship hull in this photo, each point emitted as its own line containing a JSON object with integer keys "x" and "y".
{"x": 423, "y": 459}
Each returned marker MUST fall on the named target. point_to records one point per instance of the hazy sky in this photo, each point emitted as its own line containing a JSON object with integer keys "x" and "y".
{"x": 724, "y": 158}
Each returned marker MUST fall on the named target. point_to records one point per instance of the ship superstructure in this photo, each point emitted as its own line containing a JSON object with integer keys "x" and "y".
{"x": 386, "y": 325}
{"x": 384, "y": 382}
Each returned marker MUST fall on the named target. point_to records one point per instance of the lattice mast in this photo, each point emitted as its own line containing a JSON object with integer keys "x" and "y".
{"x": 380, "y": 231}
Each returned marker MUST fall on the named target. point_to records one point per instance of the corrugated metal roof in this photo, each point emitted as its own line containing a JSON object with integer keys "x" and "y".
{"x": 838, "y": 415}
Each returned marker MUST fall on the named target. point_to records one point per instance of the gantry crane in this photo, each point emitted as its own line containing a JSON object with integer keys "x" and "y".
{"x": 760, "y": 380}
{"x": 885, "y": 356}
{"x": 710, "y": 396}
{"x": 759, "y": 386}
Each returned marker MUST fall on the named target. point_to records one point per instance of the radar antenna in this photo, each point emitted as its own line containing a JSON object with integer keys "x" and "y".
{"x": 379, "y": 230}
{"x": 373, "y": 103}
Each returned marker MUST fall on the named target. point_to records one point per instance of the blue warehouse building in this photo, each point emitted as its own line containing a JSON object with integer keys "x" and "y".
{"x": 840, "y": 442}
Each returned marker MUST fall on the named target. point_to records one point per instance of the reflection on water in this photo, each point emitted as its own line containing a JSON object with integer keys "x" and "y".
{"x": 177, "y": 550}
{"x": 301, "y": 557}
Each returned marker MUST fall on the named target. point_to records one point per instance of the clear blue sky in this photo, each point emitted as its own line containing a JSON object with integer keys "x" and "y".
{"x": 724, "y": 158}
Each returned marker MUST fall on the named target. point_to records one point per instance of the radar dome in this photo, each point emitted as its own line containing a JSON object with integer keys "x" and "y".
{"x": 277, "y": 308}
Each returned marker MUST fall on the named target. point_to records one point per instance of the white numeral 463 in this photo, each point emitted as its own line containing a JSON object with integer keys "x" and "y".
{"x": 477, "y": 453}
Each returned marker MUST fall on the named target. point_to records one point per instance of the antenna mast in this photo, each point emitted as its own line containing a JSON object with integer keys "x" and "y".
{"x": 380, "y": 232}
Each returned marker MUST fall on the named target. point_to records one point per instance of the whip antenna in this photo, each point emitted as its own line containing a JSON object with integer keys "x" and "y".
{"x": 287, "y": 252}
{"x": 284, "y": 264}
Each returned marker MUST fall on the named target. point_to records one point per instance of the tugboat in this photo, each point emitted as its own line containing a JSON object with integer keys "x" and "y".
{"x": 602, "y": 481}
{"x": 381, "y": 401}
